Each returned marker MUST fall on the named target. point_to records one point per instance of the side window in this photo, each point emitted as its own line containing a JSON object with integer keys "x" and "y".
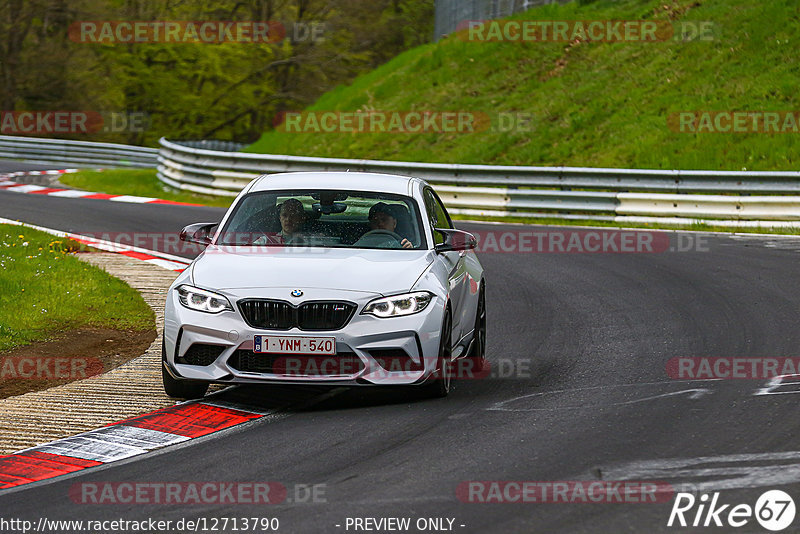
{"x": 430, "y": 208}
{"x": 442, "y": 217}
{"x": 437, "y": 214}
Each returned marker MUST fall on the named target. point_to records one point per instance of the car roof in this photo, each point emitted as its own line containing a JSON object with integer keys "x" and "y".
{"x": 356, "y": 181}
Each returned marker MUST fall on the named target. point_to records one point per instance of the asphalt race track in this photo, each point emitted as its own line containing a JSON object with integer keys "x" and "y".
{"x": 579, "y": 344}
{"x": 13, "y": 166}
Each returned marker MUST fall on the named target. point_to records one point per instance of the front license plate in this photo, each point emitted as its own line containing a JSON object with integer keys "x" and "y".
{"x": 294, "y": 345}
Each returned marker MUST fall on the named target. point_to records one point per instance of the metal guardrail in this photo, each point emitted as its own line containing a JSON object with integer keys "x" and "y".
{"x": 632, "y": 195}
{"x": 623, "y": 195}
{"x": 213, "y": 144}
{"x": 76, "y": 153}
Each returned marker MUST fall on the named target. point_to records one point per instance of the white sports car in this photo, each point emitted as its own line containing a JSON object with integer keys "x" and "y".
{"x": 327, "y": 278}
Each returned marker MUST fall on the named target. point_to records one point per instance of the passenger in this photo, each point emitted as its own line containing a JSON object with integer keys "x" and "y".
{"x": 382, "y": 218}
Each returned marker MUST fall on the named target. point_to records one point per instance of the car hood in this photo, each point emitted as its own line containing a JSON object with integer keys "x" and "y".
{"x": 383, "y": 272}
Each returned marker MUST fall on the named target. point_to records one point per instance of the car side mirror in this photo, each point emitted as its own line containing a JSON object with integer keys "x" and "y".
{"x": 455, "y": 240}
{"x": 201, "y": 233}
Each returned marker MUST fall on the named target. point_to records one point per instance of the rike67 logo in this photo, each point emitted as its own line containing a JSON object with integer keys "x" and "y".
{"x": 774, "y": 510}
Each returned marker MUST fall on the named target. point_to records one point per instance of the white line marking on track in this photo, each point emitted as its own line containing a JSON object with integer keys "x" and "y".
{"x": 503, "y": 406}
{"x": 108, "y": 457}
{"x": 143, "y": 438}
{"x": 695, "y": 473}
{"x": 109, "y": 444}
{"x": 71, "y": 193}
{"x": 169, "y": 265}
{"x": 235, "y": 406}
{"x": 129, "y": 198}
{"x": 25, "y": 188}
{"x": 777, "y": 382}
{"x": 102, "y": 244}
{"x": 81, "y": 446}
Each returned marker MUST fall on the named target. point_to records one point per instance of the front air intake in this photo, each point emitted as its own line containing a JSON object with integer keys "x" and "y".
{"x": 281, "y": 315}
{"x": 200, "y": 354}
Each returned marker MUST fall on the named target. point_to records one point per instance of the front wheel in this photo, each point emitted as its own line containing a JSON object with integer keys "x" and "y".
{"x": 180, "y": 389}
{"x": 438, "y": 385}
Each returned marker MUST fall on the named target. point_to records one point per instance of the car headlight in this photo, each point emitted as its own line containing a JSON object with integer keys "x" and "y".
{"x": 201, "y": 300}
{"x": 399, "y": 305}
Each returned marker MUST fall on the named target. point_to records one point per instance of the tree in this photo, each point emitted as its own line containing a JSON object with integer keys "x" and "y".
{"x": 229, "y": 90}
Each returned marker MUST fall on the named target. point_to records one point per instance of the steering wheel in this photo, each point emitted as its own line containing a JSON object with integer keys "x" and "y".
{"x": 269, "y": 239}
{"x": 380, "y": 239}
{"x": 381, "y": 231}
{"x": 298, "y": 239}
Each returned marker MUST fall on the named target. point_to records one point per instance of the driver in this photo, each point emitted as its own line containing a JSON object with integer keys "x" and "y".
{"x": 382, "y": 218}
{"x": 292, "y": 216}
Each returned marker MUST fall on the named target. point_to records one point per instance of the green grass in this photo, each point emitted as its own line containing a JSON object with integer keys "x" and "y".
{"x": 44, "y": 290}
{"x": 138, "y": 182}
{"x": 592, "y": 104}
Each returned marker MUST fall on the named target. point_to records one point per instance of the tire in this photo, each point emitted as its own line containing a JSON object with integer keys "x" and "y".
{"x": 477, "y": 353}
{"x": 439, "y": 386}
{"x": 180, "y": 389}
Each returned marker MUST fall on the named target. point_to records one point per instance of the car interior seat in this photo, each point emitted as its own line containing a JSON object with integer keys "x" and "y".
{"x": 404, "y": 226}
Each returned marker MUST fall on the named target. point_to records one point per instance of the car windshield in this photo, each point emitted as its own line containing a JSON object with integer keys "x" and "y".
{"x": 325, "y": 218}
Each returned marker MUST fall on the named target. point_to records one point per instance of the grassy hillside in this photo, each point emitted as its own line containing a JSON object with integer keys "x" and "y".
{"x": 591, "y": 103}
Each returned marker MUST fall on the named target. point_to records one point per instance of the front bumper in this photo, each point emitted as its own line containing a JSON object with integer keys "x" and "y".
{"x": 366, "y": 346}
